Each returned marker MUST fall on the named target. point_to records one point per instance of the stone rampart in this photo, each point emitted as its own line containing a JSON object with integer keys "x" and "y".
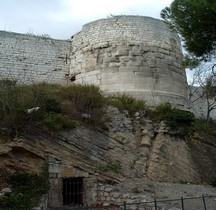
{"x": 32, "y": 59}
{"x": 135, "y": 55}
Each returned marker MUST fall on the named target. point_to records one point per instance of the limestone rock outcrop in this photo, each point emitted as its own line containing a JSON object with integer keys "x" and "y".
{"x": 146, "y": 152}
{"x": 142, "y": 149}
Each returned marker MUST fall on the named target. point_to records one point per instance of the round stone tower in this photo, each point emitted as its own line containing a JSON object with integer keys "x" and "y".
{"x": 136, "y": 55}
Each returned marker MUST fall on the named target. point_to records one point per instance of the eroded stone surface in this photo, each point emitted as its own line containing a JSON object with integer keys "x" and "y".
{"x": 136, "y": 55}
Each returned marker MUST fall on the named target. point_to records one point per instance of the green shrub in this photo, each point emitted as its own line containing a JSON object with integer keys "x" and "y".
{"x": 181, "y": 118}
{"x": 83, "y": 99}
{"x": 126, "y": 102}
{"x": 46, "y": 96}
{"x": 15, "y": 201}
{"x": 26, "y": 191}
{"x": 52, "y": 105}
{"x": 68, "y": 107}
{"x": 163, "y": 109}
{"x": 58, "y": 122}
{"x": 176, "y": 119}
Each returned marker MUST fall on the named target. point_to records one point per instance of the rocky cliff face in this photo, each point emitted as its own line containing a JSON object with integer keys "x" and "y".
{"x": 143, "y": 150}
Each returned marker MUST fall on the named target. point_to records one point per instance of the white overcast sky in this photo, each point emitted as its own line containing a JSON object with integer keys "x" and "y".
{"x": 61, "y": 19}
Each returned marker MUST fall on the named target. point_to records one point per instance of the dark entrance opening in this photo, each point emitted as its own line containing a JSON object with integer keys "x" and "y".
{"x": 73, "y": 191}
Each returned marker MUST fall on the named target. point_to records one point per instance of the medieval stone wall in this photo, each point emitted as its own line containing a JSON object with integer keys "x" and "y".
{"x": 135, "y": 55}
{"x": 33, "y": 59}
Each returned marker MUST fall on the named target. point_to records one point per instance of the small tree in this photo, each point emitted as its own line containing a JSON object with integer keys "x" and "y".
{"x": 195, "y": 21}
{"x": 210, "y": 93}
{"x": 203, "y": 88}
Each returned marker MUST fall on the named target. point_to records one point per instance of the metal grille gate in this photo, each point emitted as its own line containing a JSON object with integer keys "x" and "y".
{"x": 72, "y": 191}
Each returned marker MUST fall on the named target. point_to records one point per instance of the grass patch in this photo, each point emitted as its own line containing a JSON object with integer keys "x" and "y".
{"x": 62, "y": 108}
{"x": 58, "y": 107}
{"x": 85, "y": 98}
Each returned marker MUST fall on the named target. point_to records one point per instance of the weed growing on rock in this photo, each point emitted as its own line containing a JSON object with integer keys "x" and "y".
{"x": 135, "y": 190}
{"x": 111, "y": 166}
